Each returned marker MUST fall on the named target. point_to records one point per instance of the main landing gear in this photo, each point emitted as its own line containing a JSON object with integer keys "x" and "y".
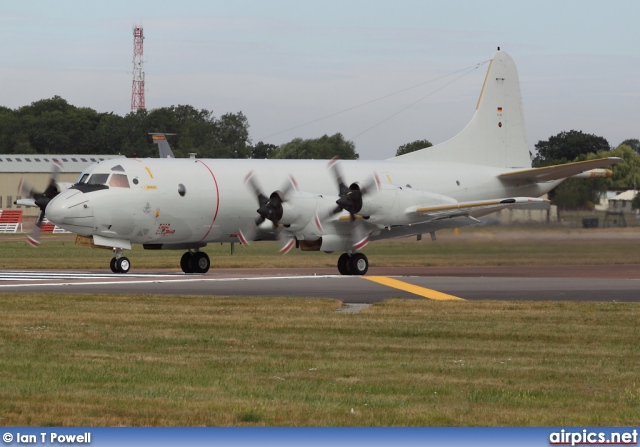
{"x": 195, "y": 262}
{"x": 353, "y": 264}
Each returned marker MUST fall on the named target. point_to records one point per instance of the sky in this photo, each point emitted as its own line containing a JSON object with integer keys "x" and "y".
{"x": 382, "y": 73}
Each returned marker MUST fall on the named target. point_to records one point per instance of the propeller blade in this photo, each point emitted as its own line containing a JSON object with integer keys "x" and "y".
{"x": 41, "y": 200}
{"x": 290, "y": 185}
{"x": 359, "y": 235}
{"x": 25, "y": 188}
{"x": 287, "y": 242}
{"x": 34, "y": 237}
{"x": 371, "y": 185}
{"x": 247, "y": 234}
{"x": 252, "y": 183}
{"x": 337, "y": 176}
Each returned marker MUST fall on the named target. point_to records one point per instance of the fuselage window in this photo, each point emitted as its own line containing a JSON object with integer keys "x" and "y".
{"x": 98, "y": 179}
{"x": 119, "y": 181}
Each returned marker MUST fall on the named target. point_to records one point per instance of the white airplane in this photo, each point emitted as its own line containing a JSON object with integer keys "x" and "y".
{"x": 185, "y": 204}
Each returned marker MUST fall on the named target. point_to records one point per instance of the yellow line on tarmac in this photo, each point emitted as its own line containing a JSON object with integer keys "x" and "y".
{"x": 416, "y": 290}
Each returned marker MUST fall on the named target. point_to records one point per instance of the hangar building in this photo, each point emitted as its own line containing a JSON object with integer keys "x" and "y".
{"x": 37, "y": 169}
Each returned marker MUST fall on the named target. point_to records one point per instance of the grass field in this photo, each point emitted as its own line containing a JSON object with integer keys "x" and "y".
{"x": 100, "y": 360}
{"x": 192, "y": 361}
{"x": 500, "y": 245}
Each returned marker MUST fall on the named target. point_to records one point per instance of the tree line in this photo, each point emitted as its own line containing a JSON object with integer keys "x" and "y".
{"x": 53, "y": 126}
{"x": 575, "y": 145}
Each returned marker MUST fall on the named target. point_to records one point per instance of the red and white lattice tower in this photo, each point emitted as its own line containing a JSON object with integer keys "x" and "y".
{"x": 137, "y": 89}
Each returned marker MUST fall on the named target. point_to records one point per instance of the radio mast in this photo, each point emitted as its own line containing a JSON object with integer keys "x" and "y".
{"x": 137, "y": 89}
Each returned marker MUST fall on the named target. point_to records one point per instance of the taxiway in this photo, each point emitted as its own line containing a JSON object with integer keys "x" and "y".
{"x": 548, "y": 283}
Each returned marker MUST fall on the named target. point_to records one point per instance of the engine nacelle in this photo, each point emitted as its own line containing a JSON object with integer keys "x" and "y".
{"x": 302, "y": 214}
{"x": 391, "y": 202}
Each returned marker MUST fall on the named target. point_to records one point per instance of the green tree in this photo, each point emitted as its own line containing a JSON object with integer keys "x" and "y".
{"x": 635, "y": 204}
{"x": 323, "y": 148}
{"x": 568, "y": 146}
{"x": 634, "y": 143}
{"x": 263, "y": 150}
{"x": 583, "y": 194}
{"x": 231, "y": 136}
{"x": 53, "y": 126}
{"x": 413, "y": 146}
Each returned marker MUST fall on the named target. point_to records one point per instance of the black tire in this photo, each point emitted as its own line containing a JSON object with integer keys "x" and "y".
{"x": 358, "y": 264}
{"x": 123, "y": 264}
{"x": 185, "y": 262}
{"x": 201, "y": 262}
{"x": 112, "y": 264}
{"x": 343, "y": 264}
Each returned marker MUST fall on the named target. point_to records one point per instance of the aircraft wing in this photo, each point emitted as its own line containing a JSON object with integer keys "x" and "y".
{"x": 471, "y": 209}
{"x": 557, "y": 172}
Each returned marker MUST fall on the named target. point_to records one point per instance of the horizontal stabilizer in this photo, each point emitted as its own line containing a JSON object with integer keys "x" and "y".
{"x": 557, "y": 172}
{"x": 479, "y": 207}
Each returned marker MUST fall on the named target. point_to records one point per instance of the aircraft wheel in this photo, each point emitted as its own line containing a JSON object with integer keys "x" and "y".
{"x": 185, "y": 262}
{"x": 358, "y": 264}
{"x": 343, "y": 264}
{"x": 123, "y": 265}
{"x": 112, "y": 264}
{"x": 201, "y": 262}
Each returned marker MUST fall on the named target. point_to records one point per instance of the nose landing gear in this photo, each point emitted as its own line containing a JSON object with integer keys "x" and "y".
{"x": 120, "y": 264}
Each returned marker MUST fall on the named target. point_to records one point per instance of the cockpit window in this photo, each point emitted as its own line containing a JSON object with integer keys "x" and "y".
{"x": 118, "y": 168}
{"x": 83, "y": 178}
{"x": 119, "y": 181}
{"x": 98, "y": 179}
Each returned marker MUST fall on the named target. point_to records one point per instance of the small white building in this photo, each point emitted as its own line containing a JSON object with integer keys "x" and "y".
{"x": 622, "y": 202}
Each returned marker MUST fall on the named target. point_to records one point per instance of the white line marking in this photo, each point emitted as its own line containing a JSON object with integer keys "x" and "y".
{"x": 159, "y": 281}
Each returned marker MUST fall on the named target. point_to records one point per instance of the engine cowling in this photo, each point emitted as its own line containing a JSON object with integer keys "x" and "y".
{"x": 390, "y": 204}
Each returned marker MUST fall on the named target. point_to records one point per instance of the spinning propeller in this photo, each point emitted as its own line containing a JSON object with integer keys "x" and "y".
{"x": 39, "y": 199}
{"x": 269, "y": 208}
{"x": 350, "y": 200}
{"x": 350, "y": 197}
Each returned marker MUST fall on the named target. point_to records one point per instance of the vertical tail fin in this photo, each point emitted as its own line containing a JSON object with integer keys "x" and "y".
{"x": 164, "y": 150}
{"x": 495, "y": 136}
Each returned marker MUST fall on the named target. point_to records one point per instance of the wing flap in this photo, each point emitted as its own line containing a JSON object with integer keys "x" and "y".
{"x": 557, "y": 172}
{"x": 469, "y": 209}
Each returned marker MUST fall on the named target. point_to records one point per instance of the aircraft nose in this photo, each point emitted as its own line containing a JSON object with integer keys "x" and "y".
{"x": 71, "y": 210}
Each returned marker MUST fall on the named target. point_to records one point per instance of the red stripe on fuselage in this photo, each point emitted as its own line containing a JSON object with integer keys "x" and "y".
{"x": 217, "y": 199}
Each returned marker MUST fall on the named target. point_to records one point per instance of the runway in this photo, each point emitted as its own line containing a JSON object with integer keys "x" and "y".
{"x": 545, "y": 283}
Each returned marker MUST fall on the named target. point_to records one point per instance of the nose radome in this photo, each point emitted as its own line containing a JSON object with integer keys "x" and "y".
{"x": 70, "y": 210}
